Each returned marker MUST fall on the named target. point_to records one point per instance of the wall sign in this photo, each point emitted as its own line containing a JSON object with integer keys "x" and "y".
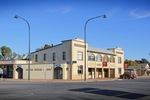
{"x": 57, "y": 65}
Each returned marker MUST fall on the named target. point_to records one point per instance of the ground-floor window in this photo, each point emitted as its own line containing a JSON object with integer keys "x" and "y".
{"x": 80, "y": 69}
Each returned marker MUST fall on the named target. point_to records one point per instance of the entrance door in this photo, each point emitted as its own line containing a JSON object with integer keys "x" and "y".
{"x": 106, "y": 72}
{"x": 58, "y": 73}
{"x": 91, "y": 72}
{"x": 99, "y": 70}
{"x": 112, "y": 73}
{"x": 20, "y": 73}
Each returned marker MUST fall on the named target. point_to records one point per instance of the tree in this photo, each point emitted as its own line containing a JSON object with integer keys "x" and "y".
{"x": 143, "y": 60}
{"x": 130, "y": 62}
{"x": 6, "y": 52}
{"x": 19, "y": 57}
{"x": 1, "y": 57}
{"x": 14, "y": 55}
{"x": 47, "y": 46}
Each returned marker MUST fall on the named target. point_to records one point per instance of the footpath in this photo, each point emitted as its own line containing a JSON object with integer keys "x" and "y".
{"x": 60, "y": 80}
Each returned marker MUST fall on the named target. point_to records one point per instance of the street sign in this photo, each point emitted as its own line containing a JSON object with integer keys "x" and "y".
{"x": 74, "y": 62}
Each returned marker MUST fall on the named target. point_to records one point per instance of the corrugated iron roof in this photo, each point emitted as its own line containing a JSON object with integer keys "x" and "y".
{"x": 99, "y": 50}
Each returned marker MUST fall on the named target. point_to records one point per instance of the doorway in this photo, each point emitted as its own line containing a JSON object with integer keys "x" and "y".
{"x": 20, "y": 73}
{"x": 58, "y": 73}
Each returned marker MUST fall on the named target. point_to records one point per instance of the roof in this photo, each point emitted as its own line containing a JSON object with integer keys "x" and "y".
{"x": 99, "y": 50}
{"x": 143, "y": 65}
{"x": 135, "y": 67}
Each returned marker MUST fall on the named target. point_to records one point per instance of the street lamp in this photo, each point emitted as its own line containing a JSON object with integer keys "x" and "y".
{"x": 29, "y": 43}
{"x": 104, "y": 16}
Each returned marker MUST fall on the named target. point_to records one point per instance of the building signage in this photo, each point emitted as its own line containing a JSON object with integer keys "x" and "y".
{"x": 57, "y": 65}
{"x": 74, "y": 62}
{"x": 19, "y": 66}
{"x": 104, "y": 64}
{"x": 125, "y": 65}
{"x": 6, "y": 62}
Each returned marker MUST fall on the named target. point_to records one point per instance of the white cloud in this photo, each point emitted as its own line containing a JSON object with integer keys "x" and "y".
{"x": 139, "y": 13}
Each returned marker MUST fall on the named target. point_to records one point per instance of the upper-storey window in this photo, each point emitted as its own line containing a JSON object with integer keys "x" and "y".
{"x": 80, "y": 56}
{"x": 44, "y": 57}
{"x": 98, "y": 57}
{"x": 54, "y": 56}
{"x": 64, "y": 55}
{"x": 36, "y": 58}
{"x": 119, "y": 60}
{"x": 112, "y": 59}
{"x": 105, "y": 58}
{"x": 91, "y": 57}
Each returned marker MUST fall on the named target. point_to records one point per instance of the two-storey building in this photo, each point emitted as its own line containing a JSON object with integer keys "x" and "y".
{"x": 66, "y": 61}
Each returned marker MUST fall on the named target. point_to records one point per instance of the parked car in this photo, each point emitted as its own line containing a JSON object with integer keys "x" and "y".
{"x": 128, "y": 75}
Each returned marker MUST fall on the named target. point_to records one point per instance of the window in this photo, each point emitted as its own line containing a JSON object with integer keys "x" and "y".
{"x": 119, "y": 60}
{"x": 112, "y": 59}
{"x": 119, "y": 70}
{"x": 54, "y": 56}
{"x": 80, "y": 69}
{"x": 91, "y": 57}
{"x": 64, "y": 55}
{"x": 36, "y": 58}
{"x": 105, "y": 59}
{"x": 98, "y": 57}
{"x": 44, "y": 57}
{"x": 80, "y": 56}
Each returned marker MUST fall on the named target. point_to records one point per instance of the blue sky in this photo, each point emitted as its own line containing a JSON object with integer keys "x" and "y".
{"x": 52, "y": 21}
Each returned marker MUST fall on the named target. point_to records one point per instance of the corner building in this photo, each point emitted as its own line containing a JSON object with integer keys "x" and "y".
{"x": 66, "y": 61}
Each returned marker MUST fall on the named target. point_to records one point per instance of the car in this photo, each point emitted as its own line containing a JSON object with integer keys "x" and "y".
{"x": 128, "y": 75}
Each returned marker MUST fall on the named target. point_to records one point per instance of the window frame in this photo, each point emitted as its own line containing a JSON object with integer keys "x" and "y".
{"x": 119, "y": 70}
{"x": 80, "y": 69}
{"x": 36, "y": 58}
{"x": 105, "y": 58}
{"x": 54, "y": 56}
{"x": 91, "y": 57}
{"x": 80, "y": 56}
{"x": 112, "y": 59}
{"x": 64, "y": 55}
{"x": 119, "y": 60}
{"x": 44, "y": 56}
{"x": 98, "y": 58}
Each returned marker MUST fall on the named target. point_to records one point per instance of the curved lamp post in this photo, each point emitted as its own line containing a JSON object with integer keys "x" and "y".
{"x": 29, "y": 43}
{"x": 104, "y": 16}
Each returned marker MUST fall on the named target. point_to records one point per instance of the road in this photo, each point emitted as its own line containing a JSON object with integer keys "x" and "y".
{"x": 137, "y": 89}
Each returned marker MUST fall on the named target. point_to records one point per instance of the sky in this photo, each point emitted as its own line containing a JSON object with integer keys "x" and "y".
{"x": 52, "y": 21}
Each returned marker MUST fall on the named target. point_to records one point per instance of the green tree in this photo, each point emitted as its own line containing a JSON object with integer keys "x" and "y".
{"x": 19, "y": 57}
{"x": 6, "y": 52}
{"x": 47, "y": 46}
{"x": 1, "y": 57}
{"x": 130, "y": 62}
{"x": 14, "y": 55}
{"x": 143, "y": 61}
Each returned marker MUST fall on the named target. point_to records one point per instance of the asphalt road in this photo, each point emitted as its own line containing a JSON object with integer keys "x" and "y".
{"x": 137, "y": 89}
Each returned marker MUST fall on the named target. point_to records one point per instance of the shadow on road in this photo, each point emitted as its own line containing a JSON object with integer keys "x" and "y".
{"x": 115, "y": 93}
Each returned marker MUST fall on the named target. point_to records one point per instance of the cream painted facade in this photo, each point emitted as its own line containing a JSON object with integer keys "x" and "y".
{"x": 66, "y": 61}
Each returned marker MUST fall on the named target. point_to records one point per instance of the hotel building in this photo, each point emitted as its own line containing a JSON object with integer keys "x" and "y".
{"x": 66, "y": 61}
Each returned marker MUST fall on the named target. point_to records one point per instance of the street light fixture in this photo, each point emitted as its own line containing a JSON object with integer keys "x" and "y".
{"x": 16, "y": 16}
{"x": 104, "y": 16}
